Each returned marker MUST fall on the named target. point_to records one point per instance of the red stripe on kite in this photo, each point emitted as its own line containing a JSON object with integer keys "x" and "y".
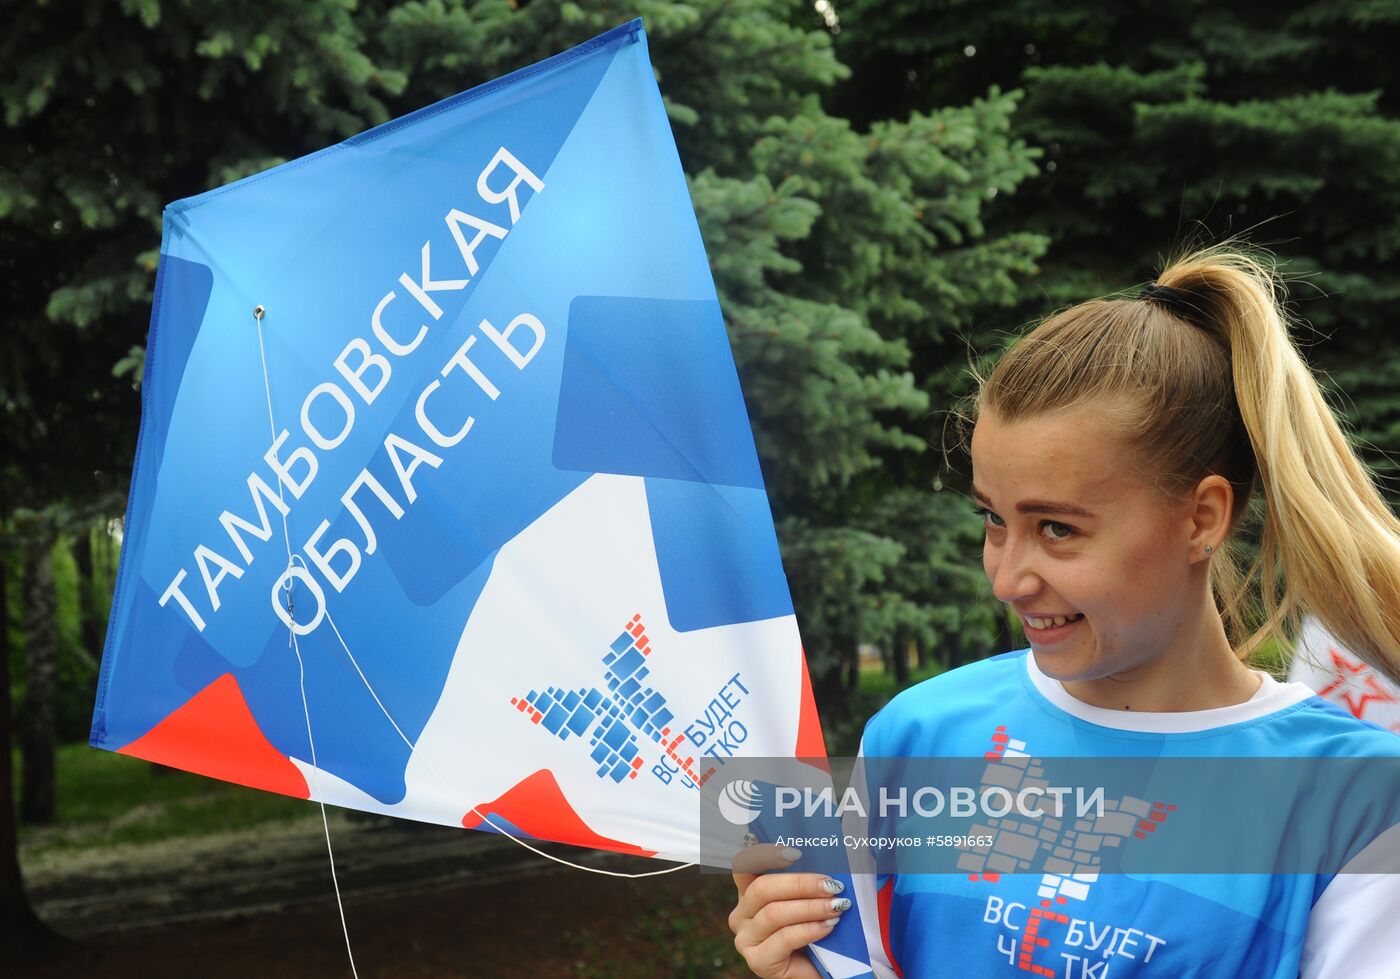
{"x": 810, "y": 743}
{"x": 537, "y": 806}
{"x": 214, "y": 734}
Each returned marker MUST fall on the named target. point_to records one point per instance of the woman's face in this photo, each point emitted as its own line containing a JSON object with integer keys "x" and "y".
{"x": 1073, "y": 530}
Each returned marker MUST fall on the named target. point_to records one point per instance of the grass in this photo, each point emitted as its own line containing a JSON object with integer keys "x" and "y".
{"x": 104, "y": 799}
{"x": 689, "y": 928}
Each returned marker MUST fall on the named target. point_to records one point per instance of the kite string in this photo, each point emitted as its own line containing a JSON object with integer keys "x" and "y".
{"x": 286, "y": 537}
{"x": 472, "y": 808}
{"x": 301, "y": 664}
{"x": 272, "y": 428}
{"x": 325, "y": 823}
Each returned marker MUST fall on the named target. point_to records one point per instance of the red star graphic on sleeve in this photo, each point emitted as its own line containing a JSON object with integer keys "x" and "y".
{"x": 1349, "y": 675}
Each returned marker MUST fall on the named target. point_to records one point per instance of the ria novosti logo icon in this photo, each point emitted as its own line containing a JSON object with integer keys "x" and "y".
{"x": 613, "y": 719}
{"x": 740, "y": 802}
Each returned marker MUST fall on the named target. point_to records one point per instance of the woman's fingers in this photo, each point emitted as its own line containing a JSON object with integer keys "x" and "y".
{"x": 767, "y": 888}
{"x": 772, "y": 941}
{"x": 779, "y": 956}
{"x": 778, "y": 914}
{"x": 754, "y": 860}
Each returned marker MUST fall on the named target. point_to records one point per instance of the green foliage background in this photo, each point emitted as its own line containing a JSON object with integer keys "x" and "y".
{"x": 880, "y": 205}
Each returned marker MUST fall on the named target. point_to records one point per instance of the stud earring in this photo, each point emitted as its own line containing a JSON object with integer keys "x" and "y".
{"x": 1209, "y": 549}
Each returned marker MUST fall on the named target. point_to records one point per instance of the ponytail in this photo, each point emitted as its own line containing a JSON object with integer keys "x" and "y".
{"x": 1329, "y": 545}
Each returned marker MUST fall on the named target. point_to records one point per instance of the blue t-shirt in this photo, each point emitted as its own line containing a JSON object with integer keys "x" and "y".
{"x": 1110, "y": 926}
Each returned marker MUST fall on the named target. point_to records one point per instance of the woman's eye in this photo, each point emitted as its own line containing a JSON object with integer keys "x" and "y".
{"x": 1061, "y": 531}
{"x": 986, "y": 514}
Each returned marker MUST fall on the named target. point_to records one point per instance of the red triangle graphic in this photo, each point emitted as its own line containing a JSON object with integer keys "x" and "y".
{"x": 810, "y": 743}
{"x": 538, "y": 807}
{"x": 215, "y": 734}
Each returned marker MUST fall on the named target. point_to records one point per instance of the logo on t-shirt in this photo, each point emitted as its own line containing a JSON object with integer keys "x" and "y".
{"x": 1049, "y": 933}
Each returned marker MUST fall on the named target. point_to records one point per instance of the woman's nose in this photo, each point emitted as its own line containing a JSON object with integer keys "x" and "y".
{"x": 1012, "y": 574}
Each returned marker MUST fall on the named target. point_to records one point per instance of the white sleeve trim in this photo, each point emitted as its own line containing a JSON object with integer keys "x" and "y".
{"x": 1351, "y": 931}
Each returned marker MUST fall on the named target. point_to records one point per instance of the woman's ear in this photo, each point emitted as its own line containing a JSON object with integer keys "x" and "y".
{"x": 1210, "y": 510}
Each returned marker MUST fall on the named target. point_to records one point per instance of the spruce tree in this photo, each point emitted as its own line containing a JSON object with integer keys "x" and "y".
{"x": 1164, "y": 124}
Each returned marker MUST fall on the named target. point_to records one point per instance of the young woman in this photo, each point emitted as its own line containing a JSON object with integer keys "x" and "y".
{"x": 1115, "y": 452}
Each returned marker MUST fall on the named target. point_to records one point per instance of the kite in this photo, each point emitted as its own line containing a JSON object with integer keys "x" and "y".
{"x": 445, "y": 502}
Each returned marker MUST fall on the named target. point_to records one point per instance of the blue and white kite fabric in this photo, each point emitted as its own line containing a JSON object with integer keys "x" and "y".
{"x": 442, "y": 433}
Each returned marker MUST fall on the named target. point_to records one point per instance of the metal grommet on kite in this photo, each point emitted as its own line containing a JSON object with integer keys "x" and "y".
{"x": 287, "y": 590}
{"x": 258, "y": 312}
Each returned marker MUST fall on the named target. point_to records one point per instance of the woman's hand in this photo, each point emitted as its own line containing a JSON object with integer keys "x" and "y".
{"x": 780, "y": 914}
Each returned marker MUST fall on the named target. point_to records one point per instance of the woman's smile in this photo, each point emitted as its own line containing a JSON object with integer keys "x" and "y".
{"x": 1048, "y": 630}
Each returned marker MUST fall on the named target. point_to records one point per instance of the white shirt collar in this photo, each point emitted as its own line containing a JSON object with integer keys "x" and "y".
{"x": 1270, "y": 697}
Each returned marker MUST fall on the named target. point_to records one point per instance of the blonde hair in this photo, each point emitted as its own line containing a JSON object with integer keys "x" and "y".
{"x": 1223, "y": 389}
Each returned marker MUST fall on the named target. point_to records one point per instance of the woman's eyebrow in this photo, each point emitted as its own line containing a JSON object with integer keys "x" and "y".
{"x": 1040, "y": 506}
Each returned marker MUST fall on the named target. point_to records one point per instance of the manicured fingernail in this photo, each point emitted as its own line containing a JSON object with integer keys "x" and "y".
{"x": 833, "y": 886}
{"x": 788, "y": 853}
{"x": 840, "y": 903}
{"x": 830, "y": 922}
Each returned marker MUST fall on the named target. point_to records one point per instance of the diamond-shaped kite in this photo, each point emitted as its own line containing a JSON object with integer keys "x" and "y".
{"x": 446, "y": 503}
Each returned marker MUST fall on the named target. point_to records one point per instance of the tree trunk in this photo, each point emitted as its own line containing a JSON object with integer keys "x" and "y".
{"x": 955, "y": 646}
{"x": 37, "y": 719}
{"x": 901, "y": 659}
{"x": 828, "y": 687}
{"x": 921, "y": 652}
{"x": 88, "y": 618}
{"x": 850, "y": 651}
{"x": 1004, "y": 640}
{"x": 22, "y": 935}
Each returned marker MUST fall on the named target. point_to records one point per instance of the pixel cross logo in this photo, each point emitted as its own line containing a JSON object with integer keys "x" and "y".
{"x": 1067, "y": 855}
{"x": 612, "y": 720}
